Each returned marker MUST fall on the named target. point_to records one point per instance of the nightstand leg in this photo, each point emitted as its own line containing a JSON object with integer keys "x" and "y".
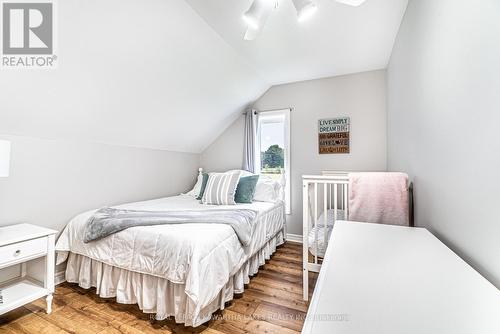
{"x": 49, "y": 304}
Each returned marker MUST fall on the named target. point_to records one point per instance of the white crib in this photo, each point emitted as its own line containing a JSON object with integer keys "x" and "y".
{"x": 325, "y": 200}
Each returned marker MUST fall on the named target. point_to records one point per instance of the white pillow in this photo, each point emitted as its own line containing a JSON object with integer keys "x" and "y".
{"x": 197, "y": 187}
{"x": 242, "y": 172}
{"x": 267, "y": 190}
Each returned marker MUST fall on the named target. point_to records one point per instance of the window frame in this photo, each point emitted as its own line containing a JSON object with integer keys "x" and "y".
{"x": 283, "y": 115}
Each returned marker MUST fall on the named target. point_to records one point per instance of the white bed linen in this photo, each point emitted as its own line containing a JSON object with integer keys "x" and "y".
{"x": 201, "y": 256}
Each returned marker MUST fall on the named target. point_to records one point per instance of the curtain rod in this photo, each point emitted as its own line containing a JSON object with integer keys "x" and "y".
{"x": 270, "y": 110}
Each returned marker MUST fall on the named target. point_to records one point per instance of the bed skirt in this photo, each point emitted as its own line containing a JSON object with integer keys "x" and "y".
{"x": 158, "y": 295}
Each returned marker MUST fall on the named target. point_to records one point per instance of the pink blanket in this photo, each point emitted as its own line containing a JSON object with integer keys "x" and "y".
{"x": 379, "y": 198}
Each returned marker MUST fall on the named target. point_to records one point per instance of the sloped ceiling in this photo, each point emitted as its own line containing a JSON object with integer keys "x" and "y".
{"x": 338, "y": 39}
{"x": 136, "y": 73}
{"x": 173, "y": 74}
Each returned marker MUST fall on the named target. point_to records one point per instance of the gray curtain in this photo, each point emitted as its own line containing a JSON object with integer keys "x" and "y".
{"x": 249, "y": 161}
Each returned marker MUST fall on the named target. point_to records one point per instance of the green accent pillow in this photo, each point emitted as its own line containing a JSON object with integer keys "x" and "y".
{"x": 203, "y": 186}
{"x": 246, "y": 189}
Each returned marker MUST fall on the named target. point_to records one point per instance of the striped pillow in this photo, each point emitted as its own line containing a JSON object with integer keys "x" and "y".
{"x": 221, "y": 188}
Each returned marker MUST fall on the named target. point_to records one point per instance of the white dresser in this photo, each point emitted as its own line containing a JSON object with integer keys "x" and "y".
{"x": 391, "y": 279}
{"x": 21, "y": 245}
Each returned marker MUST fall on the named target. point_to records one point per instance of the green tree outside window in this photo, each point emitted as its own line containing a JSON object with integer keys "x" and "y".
{"x": 273, "y": 158}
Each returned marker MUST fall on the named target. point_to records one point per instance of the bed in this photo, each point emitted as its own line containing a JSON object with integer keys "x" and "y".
{"x": 187, "y": 271}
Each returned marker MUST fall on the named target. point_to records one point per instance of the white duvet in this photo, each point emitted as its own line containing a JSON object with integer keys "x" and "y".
{"x": 201, "y": 256}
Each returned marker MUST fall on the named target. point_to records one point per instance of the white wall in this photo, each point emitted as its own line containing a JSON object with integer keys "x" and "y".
{"x": 52, "y": 181}
{"x": 360, "y": 96}
{"x": 443, "y": 116}
{"x": 226, "y": 152}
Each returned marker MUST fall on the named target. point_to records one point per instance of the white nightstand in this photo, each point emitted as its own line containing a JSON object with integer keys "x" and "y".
{"x": 18, "y": 245}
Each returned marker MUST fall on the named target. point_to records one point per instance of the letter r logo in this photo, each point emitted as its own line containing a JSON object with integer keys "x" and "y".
{"x": 27, "y": 28}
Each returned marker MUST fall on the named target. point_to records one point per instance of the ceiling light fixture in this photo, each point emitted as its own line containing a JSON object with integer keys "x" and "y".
{"x": 305, "y": 9}
{"x": 259, "y": 11}
{"x": 256, "y": 16}
{"x": 354, "y": 3}
{"x": 251, "y": 34}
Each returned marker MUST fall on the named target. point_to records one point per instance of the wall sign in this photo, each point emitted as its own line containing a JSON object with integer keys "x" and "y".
{"x": 334, "y": 135}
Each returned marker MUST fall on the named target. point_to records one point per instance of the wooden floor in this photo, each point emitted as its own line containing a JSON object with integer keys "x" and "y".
{"x": 271, "y": 303}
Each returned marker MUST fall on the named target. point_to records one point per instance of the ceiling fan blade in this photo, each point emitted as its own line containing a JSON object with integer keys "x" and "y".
{"x": 354, "y": 3}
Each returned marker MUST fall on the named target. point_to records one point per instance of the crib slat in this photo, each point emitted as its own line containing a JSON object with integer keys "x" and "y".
{"x": 305, "y": 240}
{"x": 325, "y": 217}
{"x": 345, "y": 191}
{"x": 335, "y": 202}
{"x": 341, "y": 197}
{"x": 329, "y": 194}
{"x": 315, "y": 222}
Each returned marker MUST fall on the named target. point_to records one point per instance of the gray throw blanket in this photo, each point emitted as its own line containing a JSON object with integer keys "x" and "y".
{"x": 107, "y": 221}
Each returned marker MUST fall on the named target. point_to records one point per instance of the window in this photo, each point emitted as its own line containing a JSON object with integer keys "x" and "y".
{"x": 273, "y": 144}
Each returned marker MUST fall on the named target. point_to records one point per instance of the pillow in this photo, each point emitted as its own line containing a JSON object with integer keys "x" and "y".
{"x": 221, "y": 188}
{"x": 203, "y": 186}
{"x": 242, "y": 172}
{"x": 197, "y": 187}
{"x": 267, "y": 190}
{"x": 246, "y": 189}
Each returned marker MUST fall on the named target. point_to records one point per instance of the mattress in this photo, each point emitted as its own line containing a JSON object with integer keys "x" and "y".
{"x": 201, "y": 258}
{"x": 318, "y": 248}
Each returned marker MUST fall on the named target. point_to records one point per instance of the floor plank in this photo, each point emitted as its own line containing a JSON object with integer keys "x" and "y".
{"x": 272, "y": 303}
{"x": 235, "y": 323}
{"x": 280, "y": 315}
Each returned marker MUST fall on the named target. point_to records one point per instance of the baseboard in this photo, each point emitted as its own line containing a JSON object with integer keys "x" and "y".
{"x": 294, "y": 238}
{"x": 60, "y": 277}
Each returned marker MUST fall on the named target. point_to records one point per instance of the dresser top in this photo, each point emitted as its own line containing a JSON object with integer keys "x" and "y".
{"x": 390, "y": 279}
{"x": 20, "y": 232}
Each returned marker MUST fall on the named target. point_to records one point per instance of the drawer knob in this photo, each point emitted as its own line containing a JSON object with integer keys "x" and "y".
{"x": 17, "y": 253}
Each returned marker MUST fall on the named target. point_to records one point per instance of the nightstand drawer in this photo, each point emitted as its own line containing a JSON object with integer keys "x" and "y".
{"x": 23, "y": 250}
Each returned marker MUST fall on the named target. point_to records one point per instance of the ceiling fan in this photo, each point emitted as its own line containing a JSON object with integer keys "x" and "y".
{"x": 256, "y": 16}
